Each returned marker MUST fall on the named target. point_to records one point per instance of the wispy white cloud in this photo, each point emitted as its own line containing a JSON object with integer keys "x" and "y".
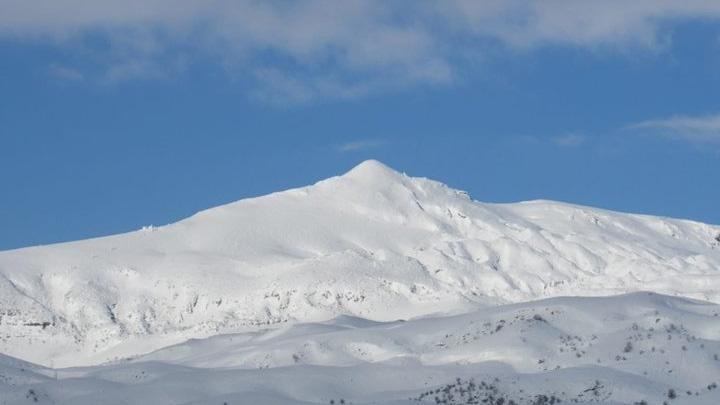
{"x": 568, "y": 140}
{"x": 65, "y": 73}
{"x": 341, "y": 49}
{"x": 361, "y": 144}
{"x": 281, "y": 87}
{"x": 705, "y": 129}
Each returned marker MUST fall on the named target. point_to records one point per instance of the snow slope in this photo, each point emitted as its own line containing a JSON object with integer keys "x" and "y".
{"x": 373, "y": 243}
{"x": 615, "y": 350}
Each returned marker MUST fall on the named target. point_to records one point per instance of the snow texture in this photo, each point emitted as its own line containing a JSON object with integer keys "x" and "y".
{"x": 617, "y": 350}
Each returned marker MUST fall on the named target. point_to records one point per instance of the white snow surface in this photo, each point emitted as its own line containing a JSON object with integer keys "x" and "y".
{"x": 372, "y": 243}
{"x": 614, "y": 350}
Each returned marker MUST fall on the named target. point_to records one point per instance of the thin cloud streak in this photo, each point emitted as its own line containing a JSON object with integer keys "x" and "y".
{"x": 361, "y": 145}
{"x": 568, "y": 140}
{"x": 703, "y": 129}
{"x": 65, "y": 73}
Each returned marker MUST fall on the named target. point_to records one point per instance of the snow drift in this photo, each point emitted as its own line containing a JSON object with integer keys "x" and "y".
{"x": 639, "y": 348}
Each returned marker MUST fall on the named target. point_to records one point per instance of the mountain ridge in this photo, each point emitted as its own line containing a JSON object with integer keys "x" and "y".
{"x": 372, "y": 243}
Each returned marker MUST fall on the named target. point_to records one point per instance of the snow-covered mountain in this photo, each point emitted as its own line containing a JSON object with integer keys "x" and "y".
{"x": 372, "y": 243}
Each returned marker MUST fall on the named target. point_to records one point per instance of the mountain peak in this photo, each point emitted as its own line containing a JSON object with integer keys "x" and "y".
{"x": 372, "y": 169}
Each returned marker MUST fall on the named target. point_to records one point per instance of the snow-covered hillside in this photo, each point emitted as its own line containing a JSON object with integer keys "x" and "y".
{"x": 615, "y": 350}
{"x": 373, "y": 243}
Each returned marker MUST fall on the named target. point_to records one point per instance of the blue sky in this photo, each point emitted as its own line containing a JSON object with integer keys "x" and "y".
{"x": 118, "y": 116}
